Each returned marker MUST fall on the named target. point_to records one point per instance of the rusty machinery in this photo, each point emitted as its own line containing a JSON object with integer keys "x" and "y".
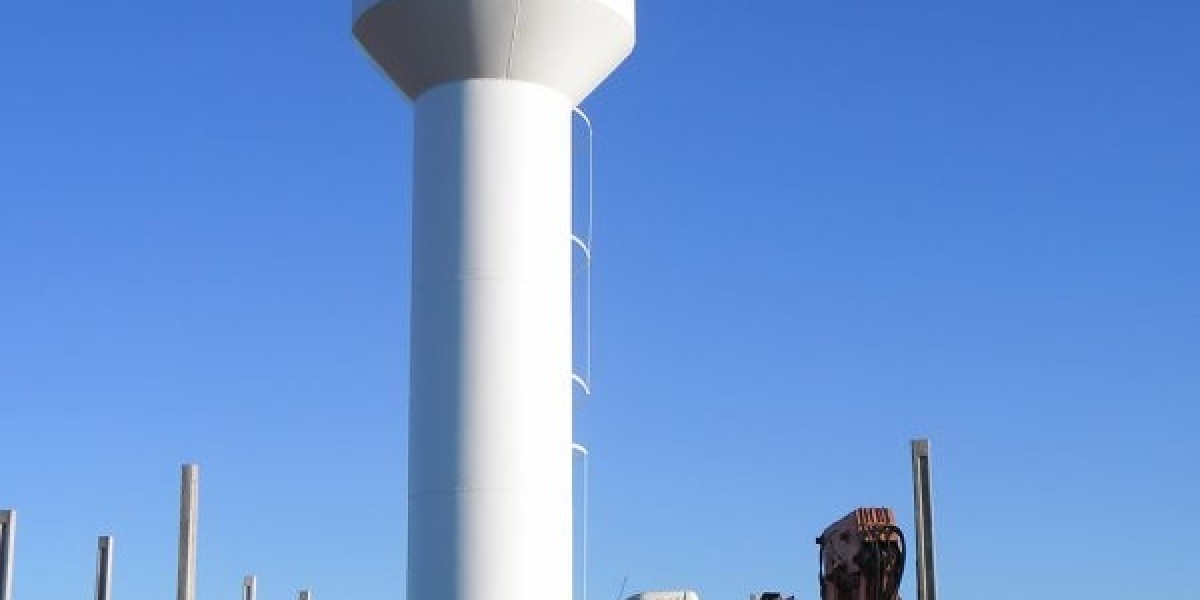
{"x": 862, "y": 557}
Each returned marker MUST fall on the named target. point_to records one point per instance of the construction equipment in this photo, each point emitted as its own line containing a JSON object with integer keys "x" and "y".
{"x": 862, "y": 557}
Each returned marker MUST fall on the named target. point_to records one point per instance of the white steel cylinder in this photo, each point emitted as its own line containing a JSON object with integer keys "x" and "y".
{"x": 494, "y": 84}
{"x": 490, "y": 418}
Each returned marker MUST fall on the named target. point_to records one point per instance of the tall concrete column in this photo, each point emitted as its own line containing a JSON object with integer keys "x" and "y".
{"x": 250, "y": 588}
{"x": 923, "y": 507}
{"x": 8, "y": 543}
{"x": 188, "y": 507}
{"x": 104, "y": 558}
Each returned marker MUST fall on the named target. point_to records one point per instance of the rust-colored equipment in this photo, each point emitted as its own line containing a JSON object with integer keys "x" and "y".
{"x": 862, "y": 557}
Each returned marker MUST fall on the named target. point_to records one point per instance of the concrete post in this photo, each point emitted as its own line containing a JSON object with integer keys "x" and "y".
{"x": 188, "y": 505}
{"x": 250, "y": 588}
{"x": 104, "y": 550}
{"x": 8, "y": 538}
{"x": 923, "y": 507}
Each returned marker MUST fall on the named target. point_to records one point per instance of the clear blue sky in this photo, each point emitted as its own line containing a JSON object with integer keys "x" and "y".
{"x": 822, "y": 229}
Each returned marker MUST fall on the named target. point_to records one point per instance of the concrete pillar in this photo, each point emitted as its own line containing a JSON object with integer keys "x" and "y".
{"x": 188, "y": 506}
{"x": 923, "y": 507}
{"x": 250, "y": 588}
{"x": 104, "y": 553}
{"x": 8, "y": 538}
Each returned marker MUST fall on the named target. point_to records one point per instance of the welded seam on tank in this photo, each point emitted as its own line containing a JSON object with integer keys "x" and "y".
{"x": 512, "y": 40}
{"x": 462, "y": 490}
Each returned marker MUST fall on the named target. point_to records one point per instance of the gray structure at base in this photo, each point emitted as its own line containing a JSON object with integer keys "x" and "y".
{"x": 923, "y": 518}
{"x": 8, "y": 538}
{"x": 188, "y": 504}
{"x": 104, "y": 552}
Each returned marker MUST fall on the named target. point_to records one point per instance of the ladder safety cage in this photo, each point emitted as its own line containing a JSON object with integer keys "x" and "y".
{"x": 582, "y": 239}
{"x": 582, "y": 452}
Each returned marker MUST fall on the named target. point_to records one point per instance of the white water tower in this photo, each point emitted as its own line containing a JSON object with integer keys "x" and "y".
{"x": 494, "y": 83}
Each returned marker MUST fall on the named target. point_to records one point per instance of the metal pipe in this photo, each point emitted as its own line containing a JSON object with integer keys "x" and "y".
{"x": 8, "y": 538}
{"x": 104, "y": 550}
{"x": 923, "y": 509}
{"x": 188, "y": 505}
{"x": 250, "y": 588}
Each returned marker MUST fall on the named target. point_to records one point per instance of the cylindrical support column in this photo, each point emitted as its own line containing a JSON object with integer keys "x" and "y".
{"x": 8, "y": 542}
{"x": 250, "y": 588}
{"x": 304, "y": 595}
{"x": 490, "y": 413}
{"x": 188, "y": 506}
{"x": 923, "y": 507}
{"x": 104, "y": 557}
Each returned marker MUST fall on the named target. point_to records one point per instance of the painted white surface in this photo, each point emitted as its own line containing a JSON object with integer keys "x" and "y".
{"x": 490, "y": 418}
{"x": 570, "y": 45}
{"x": 623, "y": 7}
{"x": 494, "y": 84}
